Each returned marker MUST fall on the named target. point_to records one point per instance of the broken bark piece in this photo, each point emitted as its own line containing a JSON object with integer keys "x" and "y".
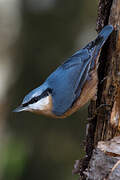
{"x": 110, "y": 147}
{"x": 105, "y": 161}
{"x": 101, "y": 167}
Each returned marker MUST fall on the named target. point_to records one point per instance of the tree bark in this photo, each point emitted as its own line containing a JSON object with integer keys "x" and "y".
{"x": 102, "y": 161}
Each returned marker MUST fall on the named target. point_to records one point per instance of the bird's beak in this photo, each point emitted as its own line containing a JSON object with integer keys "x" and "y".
{"x": 20, "y": 108}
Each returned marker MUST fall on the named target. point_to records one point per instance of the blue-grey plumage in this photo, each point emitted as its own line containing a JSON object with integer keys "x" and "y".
{"x": 64, "y": 91}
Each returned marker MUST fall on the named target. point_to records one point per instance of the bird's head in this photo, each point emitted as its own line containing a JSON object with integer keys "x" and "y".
{"x": 38, "y": 100}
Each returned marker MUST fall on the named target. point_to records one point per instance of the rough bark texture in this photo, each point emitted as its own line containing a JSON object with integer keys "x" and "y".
{"x": 102, "y": 162}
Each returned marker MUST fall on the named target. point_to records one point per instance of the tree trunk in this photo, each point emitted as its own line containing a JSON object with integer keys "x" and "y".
{"x": 102, "y": 161}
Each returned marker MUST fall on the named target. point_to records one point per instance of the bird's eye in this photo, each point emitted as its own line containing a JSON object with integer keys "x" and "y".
{"x": 46, "y": 93}
{"x": 33, "y": 100}
{"x": 37, "y": 98}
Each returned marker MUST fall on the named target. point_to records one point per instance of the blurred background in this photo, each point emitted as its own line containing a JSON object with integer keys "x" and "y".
{"x": 35, "y": 37}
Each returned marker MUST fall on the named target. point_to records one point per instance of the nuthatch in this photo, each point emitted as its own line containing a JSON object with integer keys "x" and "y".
{"x": 71, "y": 85}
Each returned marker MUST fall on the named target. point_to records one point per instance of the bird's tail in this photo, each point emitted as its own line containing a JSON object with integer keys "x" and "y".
{"x": 101, "y": 38}
{"x": 95, "y": 46}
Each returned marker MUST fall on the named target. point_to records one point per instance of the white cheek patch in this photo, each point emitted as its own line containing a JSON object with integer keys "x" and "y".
{"x": 40, "y": 105}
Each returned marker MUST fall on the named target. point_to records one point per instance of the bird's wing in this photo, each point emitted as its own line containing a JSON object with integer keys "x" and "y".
{"x": 68, "y": 80}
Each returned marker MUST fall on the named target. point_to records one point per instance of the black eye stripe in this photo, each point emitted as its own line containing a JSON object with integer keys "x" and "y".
{"x": 37, "y": 98}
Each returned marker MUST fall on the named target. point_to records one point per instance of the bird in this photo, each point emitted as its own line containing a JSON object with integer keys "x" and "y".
{"x": 71, "y": 85}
